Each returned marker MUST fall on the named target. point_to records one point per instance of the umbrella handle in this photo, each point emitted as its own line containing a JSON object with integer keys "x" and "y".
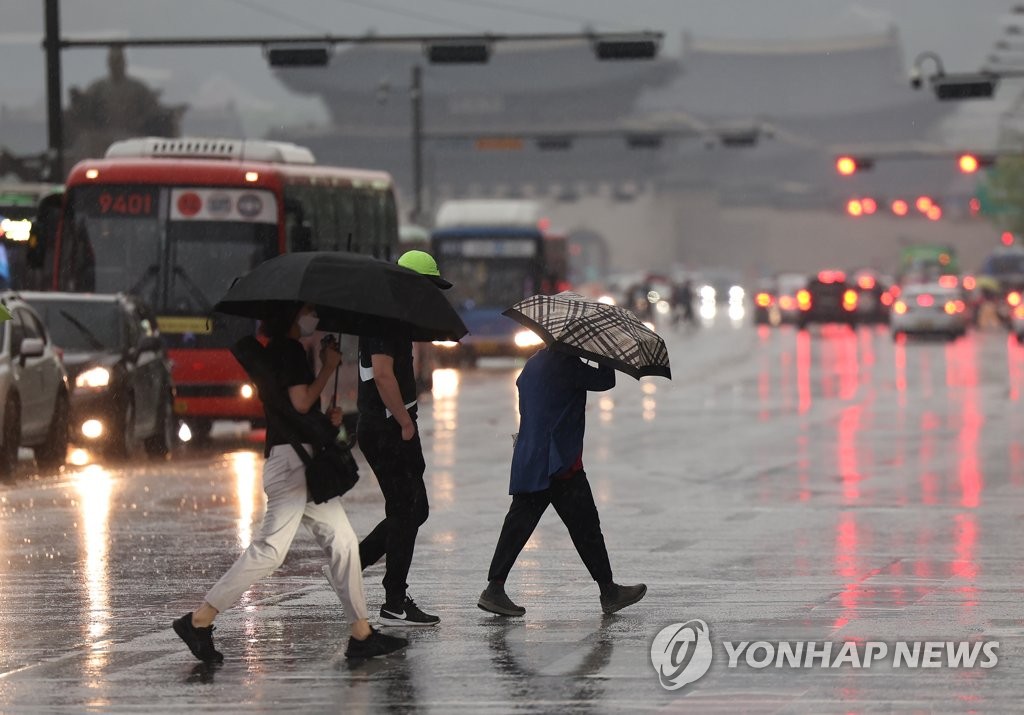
{"x": 334, "y": 397}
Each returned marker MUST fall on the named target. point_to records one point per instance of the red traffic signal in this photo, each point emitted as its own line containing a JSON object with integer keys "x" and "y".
{"x": 970, "y": 163}
{"x": 850, "y": 165}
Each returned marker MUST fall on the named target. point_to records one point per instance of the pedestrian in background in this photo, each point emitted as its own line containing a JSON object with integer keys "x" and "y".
{"x": 288, "y": 506}
{"x": 547, "y": 468}
{"x": 390, "y": 441}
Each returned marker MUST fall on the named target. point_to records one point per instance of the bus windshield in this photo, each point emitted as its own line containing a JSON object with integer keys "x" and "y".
{"x": 489, "y": 282}
{"x": 205, "y": 257}
{"x": 490, "y": 269}
{"x": 179, "y": 267}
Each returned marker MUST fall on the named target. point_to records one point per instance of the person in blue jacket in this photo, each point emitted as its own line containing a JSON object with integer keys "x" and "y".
{"x": 547, "y": 468}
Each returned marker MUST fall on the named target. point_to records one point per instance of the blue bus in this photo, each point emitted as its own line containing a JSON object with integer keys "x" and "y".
{"x": 495, "y": 253}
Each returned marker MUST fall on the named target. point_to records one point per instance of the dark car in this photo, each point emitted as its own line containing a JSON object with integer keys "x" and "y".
{"x": 828, "y": 298}
{"x": 873, "y": 300}
{"x": 122, "y": 395}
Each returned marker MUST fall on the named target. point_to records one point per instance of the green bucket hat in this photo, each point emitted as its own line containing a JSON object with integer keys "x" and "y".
{"x": 424, "y": 264}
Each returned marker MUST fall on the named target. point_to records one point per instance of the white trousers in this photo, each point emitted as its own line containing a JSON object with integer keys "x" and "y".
{"x": 284, "y": 481}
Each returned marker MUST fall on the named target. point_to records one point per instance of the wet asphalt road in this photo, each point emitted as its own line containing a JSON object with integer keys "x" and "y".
{"x": 831, "y": 486}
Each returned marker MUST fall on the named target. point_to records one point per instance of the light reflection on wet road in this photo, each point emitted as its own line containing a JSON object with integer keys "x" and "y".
{"x": 824, "y": 485}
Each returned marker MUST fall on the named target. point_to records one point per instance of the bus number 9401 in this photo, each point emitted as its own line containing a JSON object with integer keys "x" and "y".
{"x": 128, "y": 204}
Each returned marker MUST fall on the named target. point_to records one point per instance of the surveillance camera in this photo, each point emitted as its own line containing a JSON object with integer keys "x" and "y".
{"x": 915, "y": 78}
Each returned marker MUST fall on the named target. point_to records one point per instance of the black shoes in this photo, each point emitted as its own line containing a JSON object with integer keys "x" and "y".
{"x": 615, "y": 597}
{"x": 377, "y": 644}
{"x": 198, "y": 640}
{"x": 495, "y": 600}
{"x": 406, "y": 615}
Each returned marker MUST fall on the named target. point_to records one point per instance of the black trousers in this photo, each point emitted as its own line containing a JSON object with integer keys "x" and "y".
{"x": 574, "y": 503}
{"x": 398, "y": 466}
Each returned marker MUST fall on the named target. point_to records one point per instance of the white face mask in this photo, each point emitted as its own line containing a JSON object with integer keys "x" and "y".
{"x": 307, "y": 324}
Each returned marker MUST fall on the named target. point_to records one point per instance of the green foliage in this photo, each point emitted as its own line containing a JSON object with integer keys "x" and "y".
{"x": 1002, "y": 194}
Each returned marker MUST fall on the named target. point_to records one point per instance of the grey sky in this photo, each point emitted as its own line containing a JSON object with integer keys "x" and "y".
{"x": 962, "y": 31}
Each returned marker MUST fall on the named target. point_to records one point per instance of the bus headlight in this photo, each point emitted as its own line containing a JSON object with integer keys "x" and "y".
{"x": 528, "y": 339}
{"x": 247, "y": 392}
{"x": 93, "y": 378}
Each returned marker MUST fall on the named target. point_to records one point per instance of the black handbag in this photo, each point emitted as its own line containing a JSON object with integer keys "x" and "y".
{"x": 331, "y": 470}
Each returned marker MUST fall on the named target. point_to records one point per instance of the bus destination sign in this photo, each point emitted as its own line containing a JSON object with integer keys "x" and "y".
{"x": 129, "y": 201}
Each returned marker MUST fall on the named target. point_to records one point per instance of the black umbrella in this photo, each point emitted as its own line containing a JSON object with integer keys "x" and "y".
{"x": 353, "y": 294}
{"x": 606, "y": 334}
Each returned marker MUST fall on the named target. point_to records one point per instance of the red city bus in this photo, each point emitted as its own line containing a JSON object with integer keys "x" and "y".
{"x": 174, "y": 221}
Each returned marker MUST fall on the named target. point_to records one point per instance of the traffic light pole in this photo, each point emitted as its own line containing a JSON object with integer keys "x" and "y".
{"x": 54, "y": 113}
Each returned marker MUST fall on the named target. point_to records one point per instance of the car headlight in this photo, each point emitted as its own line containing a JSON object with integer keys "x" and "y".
{"x": 93, "y": 378}
{"x": 444, "y": 343}
{"x": 527, "y": 339}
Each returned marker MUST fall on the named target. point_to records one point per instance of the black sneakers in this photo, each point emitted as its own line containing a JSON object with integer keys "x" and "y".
{"x": 495, "y": 600}
{"x": 406, "y": 615}
{"x": 377, "y": 644}
{"x": 198, "y": 640}
{"x": 615, "y": 597}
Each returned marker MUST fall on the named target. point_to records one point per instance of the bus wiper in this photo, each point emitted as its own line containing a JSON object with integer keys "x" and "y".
{"x": 96, "y": 343}
{"x": 146, "y": 277}
{"x": 196, "y": 291}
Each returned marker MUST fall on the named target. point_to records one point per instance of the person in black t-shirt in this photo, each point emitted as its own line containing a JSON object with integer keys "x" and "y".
{"x": 289, "y": 506}
{"x": 390, "y": 442}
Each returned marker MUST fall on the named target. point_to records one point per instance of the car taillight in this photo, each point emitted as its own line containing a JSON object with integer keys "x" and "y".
{"x": 803, "y": 299}
{"x": 866, "y": 282}
{"x": 786, "y": 302}
{"x": 925, "y": 300}
{"x": 950, "y": 307}
{"x": 763, "y": 300}
{"x": 850, "y": 299}
{"x": 887, "y": 298}
{"x": 899, "y": 307}
{"x": 1018, "y": 312}
{"x": 1013, "y": 298}
{"x": 895, "y": 290}
{"x": 948, "y": 281}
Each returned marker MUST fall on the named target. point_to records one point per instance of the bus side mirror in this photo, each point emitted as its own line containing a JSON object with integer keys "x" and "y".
{"x": 44, "y": 230}
{"x": 35, "y": 255}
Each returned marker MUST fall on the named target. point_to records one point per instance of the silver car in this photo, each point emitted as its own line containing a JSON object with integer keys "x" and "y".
{"x": 929, "y": 308}
{"x": 33, "y": 390}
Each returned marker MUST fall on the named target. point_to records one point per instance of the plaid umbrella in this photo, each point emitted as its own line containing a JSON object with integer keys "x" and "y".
{"x": 606, "y": 334}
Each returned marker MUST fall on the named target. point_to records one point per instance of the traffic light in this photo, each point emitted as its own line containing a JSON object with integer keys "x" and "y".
{"x": 626, "y": 47}
{"x": 980, "y": 85}
{"x": 554, "y": 143}
{"x": 741, "y": 137}
{"x": 450, "y": 53}
{"x": 298, "y": 56}
{"x": 644, "y": 141}
{"x": 970, "y": 163}
{"x": 849, "y": 165}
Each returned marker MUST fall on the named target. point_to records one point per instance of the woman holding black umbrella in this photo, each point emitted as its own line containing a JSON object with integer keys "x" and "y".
{"x": 284, "y": 482}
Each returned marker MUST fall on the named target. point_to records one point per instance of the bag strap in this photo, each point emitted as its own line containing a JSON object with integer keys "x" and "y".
{"x": 290, "y": 434}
